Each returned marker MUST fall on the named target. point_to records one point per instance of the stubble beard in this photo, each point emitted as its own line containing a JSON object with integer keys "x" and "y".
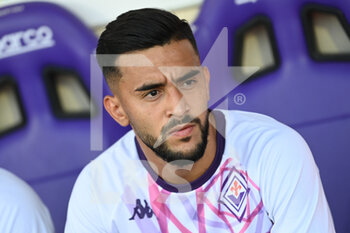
{"x": 164, "y": 152}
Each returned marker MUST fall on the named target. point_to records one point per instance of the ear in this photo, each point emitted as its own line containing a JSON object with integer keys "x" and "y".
{"x": 114, "y": 108}
{"x": 207, "y": 79}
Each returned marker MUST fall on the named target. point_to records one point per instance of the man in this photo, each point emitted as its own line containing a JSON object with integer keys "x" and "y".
{"x": 21, "y": 210}
{"x": 184, "y": 168}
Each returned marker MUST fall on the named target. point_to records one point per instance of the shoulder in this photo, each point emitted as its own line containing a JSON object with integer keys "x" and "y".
{"x": 259, "y": 133}
{"x": 279, "y": 161}
{"x": 109, "y": 166}
{"x": 21, "y": 207}
{"x": 257, "y": 125}
{"x": 236, "y": 118}
{"x": 11, "y": 185}
{"x": 100, "y": 187}
{"x": 16, "y": 192}
{"x": 263, "y": 144}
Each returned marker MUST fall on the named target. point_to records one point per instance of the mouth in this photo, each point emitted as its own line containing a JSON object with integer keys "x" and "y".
{"x": 182, "y": 130}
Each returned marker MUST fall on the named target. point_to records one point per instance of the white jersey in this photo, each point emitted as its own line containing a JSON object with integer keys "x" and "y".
{"x": 21, "y": 210}
{"x": 263, "y": 179}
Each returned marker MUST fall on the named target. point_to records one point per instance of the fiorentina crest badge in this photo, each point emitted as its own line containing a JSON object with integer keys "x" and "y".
{"x": 234, "y": 193}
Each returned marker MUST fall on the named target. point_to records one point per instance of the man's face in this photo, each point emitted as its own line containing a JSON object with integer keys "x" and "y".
{"x": 166, "y": 102}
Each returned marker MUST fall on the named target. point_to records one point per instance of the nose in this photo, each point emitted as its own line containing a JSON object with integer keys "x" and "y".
{"x": 177, "y": 103}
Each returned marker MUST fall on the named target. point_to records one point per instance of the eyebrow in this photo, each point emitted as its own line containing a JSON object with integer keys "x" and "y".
{"x": 146, "y": 87}
{"x": 188, "y": 75}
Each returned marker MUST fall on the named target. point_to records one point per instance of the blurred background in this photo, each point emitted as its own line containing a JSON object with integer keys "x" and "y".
{"x": 46, "y": 108}
{"x": 96, "y": 14}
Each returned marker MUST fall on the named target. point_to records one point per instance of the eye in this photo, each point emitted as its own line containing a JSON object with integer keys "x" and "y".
{"x": 188, "y": 84}
{"x": 152, "y": 94}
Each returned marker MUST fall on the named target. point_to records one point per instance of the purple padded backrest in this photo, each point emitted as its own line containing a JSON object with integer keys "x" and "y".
{"x": 311, "y": 95}
{"x": 47, "y": 151}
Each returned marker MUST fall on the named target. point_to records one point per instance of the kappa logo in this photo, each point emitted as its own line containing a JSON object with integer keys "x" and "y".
{"x": 25, "y": 41}
{"x": 234, "y": 194}
{"x": 142, "y": 211}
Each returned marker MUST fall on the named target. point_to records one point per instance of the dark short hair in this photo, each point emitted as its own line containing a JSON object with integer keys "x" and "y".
{"x": 138, "y": 30}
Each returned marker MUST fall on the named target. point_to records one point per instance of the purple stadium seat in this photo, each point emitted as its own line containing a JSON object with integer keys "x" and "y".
{"x": 44, "y": 100}
{"x": 304, "y": 81}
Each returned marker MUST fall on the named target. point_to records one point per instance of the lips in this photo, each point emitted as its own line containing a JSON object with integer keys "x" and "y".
{"x": 182, "y": 130}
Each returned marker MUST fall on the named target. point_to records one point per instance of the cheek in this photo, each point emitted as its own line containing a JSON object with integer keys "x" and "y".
{"x": 146, "y": 122}
{"x": 144, "y": 117}
{"x": 198, "y": 102}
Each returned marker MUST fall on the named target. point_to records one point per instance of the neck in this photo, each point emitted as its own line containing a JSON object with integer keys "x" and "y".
{"x": 175, "y": 173}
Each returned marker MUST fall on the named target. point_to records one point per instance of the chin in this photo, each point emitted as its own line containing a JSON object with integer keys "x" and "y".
{"x": 187, "y": 152}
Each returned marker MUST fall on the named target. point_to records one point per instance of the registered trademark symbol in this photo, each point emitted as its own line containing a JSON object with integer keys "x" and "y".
{"x": 239, "y": 98}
